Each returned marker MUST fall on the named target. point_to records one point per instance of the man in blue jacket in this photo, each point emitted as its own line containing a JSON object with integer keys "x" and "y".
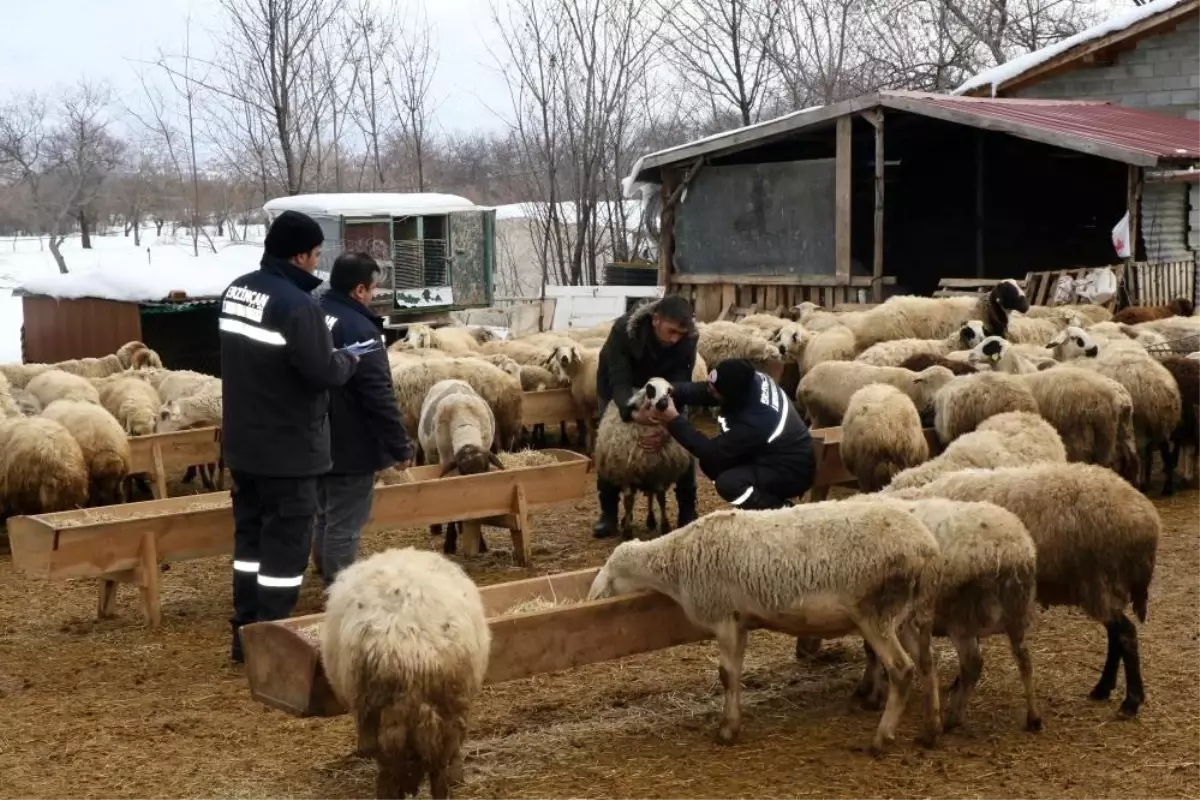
{"x": 367, "y": 429}
{"x": 277, "y": 366}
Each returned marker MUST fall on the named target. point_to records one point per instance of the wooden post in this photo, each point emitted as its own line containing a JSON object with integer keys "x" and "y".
{"x": 1133, "y": 202}
{"x": 876, "y": 120}
{"x": 160, "y": 472}
{"x": 471, "y": 536}
{"x": 107, "y": 605}
{"x": 979, "y": 266}
{"x": 146, "y": 576}
{"x": 520, "y": 528}
{"x": 666, "y": 230}
{"x": 845, "y": 143}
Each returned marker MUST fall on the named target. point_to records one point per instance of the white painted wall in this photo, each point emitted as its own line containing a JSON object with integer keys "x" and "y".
{"x": 585, "y": 306}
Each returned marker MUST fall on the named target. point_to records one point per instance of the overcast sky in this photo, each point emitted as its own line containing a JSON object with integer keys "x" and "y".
{"x": 50, "y": 43}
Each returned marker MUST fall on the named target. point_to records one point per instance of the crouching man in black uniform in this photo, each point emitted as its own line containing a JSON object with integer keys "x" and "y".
{"x": 764, "y": 453}
{"x": 277, "y": 365}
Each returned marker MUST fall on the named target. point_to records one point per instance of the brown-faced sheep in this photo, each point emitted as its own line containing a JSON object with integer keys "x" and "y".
{"x": 881, "y": 435}
{"x": 923, "y": 361}
{"x": 405, "y": 645}
{"x": 1179, "y": 307}
{"x": 1186, "y": 437}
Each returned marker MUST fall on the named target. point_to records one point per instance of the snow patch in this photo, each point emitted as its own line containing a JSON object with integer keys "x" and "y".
{"x": 369, "y": 204}
{"x": 1002, "y": 73}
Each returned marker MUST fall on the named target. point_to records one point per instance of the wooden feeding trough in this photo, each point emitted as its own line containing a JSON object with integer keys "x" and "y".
{"x": 283, "y": 663}
{"x": 126, "y": 543}
{"x": 830, "y": 472}
{"x": 553, "y": 407}
{"x": 161, "y": 453}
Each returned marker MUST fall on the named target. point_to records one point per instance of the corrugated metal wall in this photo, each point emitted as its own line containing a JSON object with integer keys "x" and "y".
{"x": 1164, "y": 222}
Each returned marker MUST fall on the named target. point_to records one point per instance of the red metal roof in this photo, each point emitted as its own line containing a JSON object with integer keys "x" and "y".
{"x": 1158, "y": 135}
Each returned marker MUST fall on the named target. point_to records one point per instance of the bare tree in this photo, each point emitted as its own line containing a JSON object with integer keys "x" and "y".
{"x": 60, "y": 154}
{"x": 723, "y": 48}
{"x": 410, "y": 80}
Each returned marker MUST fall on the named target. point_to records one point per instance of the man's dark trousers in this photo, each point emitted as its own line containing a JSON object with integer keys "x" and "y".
{"x": 343, "y": 508}
{"x": 273, "y": 526}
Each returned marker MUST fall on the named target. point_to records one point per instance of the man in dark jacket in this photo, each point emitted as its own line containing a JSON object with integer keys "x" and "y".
{"x": 655, "y": 340}
{"x": 277, "y": 366}
{"x": 367, "y": 430}
{"x": 764, "y": 453}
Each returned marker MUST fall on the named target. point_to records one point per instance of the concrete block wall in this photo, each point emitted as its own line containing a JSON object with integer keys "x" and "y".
{"x": 1162, "y": 73}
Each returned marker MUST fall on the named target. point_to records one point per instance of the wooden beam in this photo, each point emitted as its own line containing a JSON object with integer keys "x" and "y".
{"x": 857, "y": 281}
{"x": 666, "y": 231}
{"x": 842, "y": 196}
{"x": 1133, "y": 203}
{"x": 683, "y": 185}
{"x": 876, "y": 119}
{"x": 963, "y": 116}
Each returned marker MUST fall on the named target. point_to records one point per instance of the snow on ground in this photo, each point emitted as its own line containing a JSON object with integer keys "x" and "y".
{"x": 117, "y": 270}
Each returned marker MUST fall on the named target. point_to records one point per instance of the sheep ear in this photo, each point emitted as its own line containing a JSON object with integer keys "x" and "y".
{"x": 446, "y": 470}
{"x": 494, "y": 459}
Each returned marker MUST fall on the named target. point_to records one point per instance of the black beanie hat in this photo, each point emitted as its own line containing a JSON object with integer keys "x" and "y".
{"x": 732, "y": 378}
{"x": 291, "y": 234}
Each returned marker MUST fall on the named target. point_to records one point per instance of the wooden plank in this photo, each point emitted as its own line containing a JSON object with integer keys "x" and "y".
{"x": 842, "y": 195}
{"x": 744, "y": 282}
{"x": 880, "y": 163}
{"x": 827, "y": 449}
{"x": 666, "y": 229}
{"x": 1133, "y": 202}
{"x": 549, "y": 407}
{"x": 180, "y": 450}
{"x": 284, "y": 670}
{"x": 982, "y": 284}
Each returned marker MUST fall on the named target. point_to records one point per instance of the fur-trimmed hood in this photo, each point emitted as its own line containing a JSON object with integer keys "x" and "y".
{"x": 637, "y": 326}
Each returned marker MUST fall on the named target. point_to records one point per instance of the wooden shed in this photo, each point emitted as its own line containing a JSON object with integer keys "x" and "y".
{"x": 183, "y": 332}
{"x": 893, "y": 192}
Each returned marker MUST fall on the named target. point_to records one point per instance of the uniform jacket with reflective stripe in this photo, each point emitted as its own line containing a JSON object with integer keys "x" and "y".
{"x": 277, "y": 366}
{"x": 764, "y": 429}
{"x": 367, "y": 430}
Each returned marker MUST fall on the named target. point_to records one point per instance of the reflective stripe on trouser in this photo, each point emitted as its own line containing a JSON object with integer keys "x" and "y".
{"x": 749, "y": 488}
{"x": 273, "y": 520}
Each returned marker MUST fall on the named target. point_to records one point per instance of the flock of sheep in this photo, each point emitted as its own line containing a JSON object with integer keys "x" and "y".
{"x": 1048, "y": 419}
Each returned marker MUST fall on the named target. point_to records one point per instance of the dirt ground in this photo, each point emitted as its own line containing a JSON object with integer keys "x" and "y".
{"x": 109, "y": 709}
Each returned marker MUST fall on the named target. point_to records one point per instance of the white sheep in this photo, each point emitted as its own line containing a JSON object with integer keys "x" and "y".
{"x": 895, "y": 352}
{"x": 912, "y": 317}
{"x": 825, "y": 391}
{"x": 1157, "y": 403}
{"x": 9, "y": 405}
{"x": 821, "y": 569}
{"x": 405, "y": 644}
{"x": 881, "y": 435}
{"x": 456, "y": 341}
{"x": 104, "y": 443}
{"x": 832, "y": 343}
{"x": 987, "y": 587}
{"x": 1096, "y": 538}
{"x": 721, "y": 340}
{"x": 54, "y": 385}
{"x": 457, "y": 429}
{"x": 41, "y": 467}
{"x": 621, "y": 461}
{"x": 134, "y": 403}
{"x": 966, "y": 401}
{"x": 1009, "y": 439}
{"x": 500, "y": 390}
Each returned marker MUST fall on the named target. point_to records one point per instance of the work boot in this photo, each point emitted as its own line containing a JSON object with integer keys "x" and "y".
{"x": 609, "y": 497}
{"x": 235, "y": 650}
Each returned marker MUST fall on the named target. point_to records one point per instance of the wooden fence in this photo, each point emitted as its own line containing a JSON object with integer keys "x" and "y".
{"x": 710, "y": 295}
{"x": 1159, "y": 284}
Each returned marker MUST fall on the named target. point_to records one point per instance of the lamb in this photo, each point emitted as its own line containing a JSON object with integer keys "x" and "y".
{"x": 965, "y": 402}
{"x": 503, "y": 362}
{"x": 881, "y": 435}
{"x": 57, "y": 385}
{"x": 104, "y": 444}
{"x": 1157, "y": 405}
{"x": 999, "y": 355}
{"x": 453, "y": 340}
{"x": 825, "y": 391}
{"x": 911, "y": 317}
{"x": 458, "y": 430}
{"x": 923, "y": 361}
{"x": 405, "y": 644}
{"x": 500, "y": 390}
{"x": 134, "y": 403}
{"x": 580, "y": 367}
{"x": 41, "y": 467}
{"x": 1096, "y": 538}
{"x": 537, "y": 379}
{"x": 988, "y": 579}
{"x": 823, "y": 569}
{"x": 621, "y": 461}
{"x": 1179, "y": 307}
{"x": 1010, "y": 439}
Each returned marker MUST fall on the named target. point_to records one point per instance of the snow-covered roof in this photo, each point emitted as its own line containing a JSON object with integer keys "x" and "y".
{"x": 1003, "y": 73}
{"x": 628, "y": 186}
{"x": 369, "y": 204}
